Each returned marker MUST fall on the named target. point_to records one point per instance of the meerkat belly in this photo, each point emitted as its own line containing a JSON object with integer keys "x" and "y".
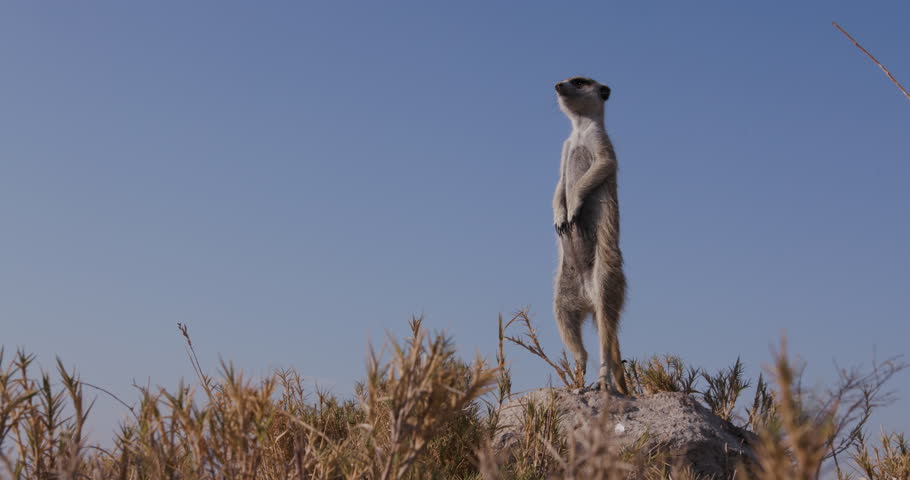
{"x": 579, "y": 245}
{"x": 580, "y": 160}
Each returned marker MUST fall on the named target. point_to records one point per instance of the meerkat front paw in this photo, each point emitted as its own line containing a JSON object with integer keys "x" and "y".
{"x": 560, "y": 222}
{"x": 572, "y": 216}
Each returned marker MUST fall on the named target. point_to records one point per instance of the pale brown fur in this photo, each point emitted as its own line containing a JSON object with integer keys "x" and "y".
{"x": 590, "y": 277}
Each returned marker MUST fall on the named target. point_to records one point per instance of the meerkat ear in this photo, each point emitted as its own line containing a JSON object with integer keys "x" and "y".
{"x": 604, "y": 92}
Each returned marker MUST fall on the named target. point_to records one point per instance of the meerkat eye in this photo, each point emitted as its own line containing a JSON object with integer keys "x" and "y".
{"x": 578, "y": 83}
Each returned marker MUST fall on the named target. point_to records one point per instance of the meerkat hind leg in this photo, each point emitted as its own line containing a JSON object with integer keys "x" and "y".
{"x": 570, "y": 309}
{"x": 570, "y": 323}
{"x": 619, "y": 371}
{"x": 611, "y": 374}
{"x": 605, "y": 332}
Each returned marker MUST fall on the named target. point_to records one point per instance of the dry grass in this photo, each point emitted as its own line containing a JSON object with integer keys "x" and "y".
{"x": 885, "y": 462}
{"x": 667, "y": 373}
{"x": 421, "y": 412}
{"x": 571, "y": 376}
{"x": 417, "y": 418}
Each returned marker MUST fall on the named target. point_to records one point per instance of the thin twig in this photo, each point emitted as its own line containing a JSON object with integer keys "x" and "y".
{"x": 902, "y": 89}
{"x": 115, "y": 397}
{"x": 194, "y": 360}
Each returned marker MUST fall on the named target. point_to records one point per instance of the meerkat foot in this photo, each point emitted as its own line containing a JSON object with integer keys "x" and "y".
{"x": 605, "y": 385}
{"x": 605, "y": 381}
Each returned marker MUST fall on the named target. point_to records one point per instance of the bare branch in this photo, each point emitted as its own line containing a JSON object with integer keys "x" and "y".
{"x": 902, "y": 89}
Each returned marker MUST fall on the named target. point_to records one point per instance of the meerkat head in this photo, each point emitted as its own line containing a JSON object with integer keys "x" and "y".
{"x": 581, "y": 96}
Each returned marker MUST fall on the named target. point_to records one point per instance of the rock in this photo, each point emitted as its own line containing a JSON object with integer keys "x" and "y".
{"x": 676, "y": 423}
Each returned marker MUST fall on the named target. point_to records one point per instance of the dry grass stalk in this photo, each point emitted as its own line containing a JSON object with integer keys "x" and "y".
{"x": 795, "y": 445}
{"x": 763, "y": 409}
{"x": 857, "y": 394}
{"x": 571, "y": 377}
{"x": 503, "y": 389}
{"x": 888, "y": 73}
{"x": 886, "y": 462}
{"x": 542, "y": 441}
{"x": 417, "y": 392}
{"x": 666, "y": 373}
{"x": 724, "y": 389}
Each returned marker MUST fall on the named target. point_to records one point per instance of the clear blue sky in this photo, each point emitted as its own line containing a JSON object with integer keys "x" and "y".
{"x": 292, "y": 179}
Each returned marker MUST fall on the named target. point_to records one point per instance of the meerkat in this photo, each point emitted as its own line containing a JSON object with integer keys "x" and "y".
{"x": 590, "y": 278}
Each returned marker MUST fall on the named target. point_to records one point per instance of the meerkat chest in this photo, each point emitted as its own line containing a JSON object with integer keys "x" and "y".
{"x": 578, "y": 161}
